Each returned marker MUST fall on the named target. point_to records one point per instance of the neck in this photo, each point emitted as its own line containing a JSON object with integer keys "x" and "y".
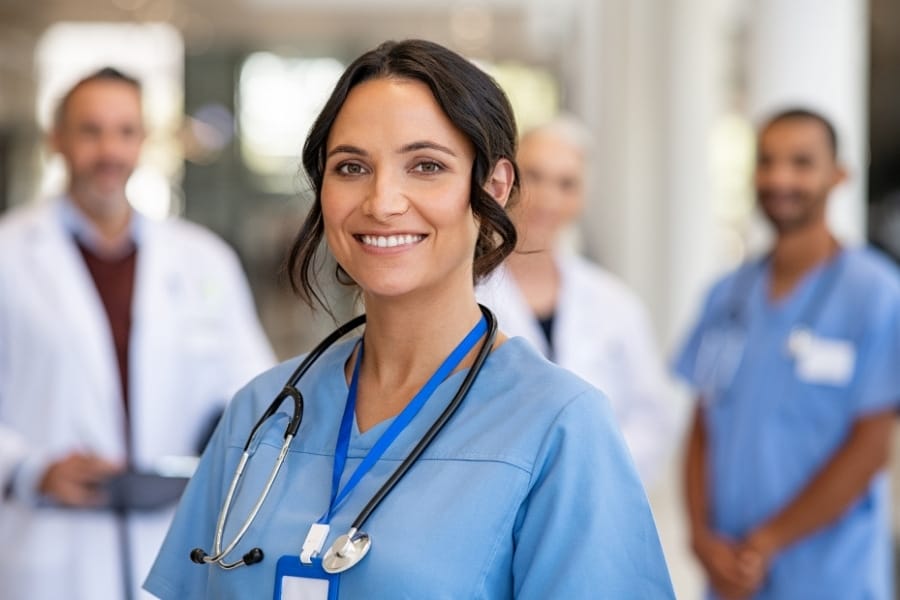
{"x": 406, "y": 340}
{"x": 798, "y": 252}
{"x": 538, "y": 279}
{"x": 110, "y": 218}
{"x": 524, "y": 262}
{"x": 405, "y": 343}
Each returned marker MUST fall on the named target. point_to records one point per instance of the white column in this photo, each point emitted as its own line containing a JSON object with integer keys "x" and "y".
{"x": 814, "y": 53}
{"x": 694, "y": 100}
{"x": 618, "y": 86}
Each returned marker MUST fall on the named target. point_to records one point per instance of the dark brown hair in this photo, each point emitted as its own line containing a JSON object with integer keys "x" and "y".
{"x": 472, "y": 101}
{"x": 805, "y": 114}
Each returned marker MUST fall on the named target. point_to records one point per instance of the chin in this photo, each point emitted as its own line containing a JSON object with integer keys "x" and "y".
{"x": 790, "y": 224}
{"x": 387, "y": 289}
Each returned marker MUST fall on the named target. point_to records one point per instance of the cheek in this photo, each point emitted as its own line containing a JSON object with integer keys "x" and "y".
{"x": 335, "y": 203}
{"x": 134, "y": 152}
{"x": 571, "y": 206}
{"x": 333, "y": 215}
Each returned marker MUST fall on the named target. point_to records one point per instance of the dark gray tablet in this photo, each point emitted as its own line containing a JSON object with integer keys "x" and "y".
{"x": 143, "y": 491}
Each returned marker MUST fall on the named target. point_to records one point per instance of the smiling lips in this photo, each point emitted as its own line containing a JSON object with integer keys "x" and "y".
{"x": 390, "y": 241}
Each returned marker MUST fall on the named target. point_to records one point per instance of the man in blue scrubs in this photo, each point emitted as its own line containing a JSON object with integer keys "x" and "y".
{"x": 796, "y": 362}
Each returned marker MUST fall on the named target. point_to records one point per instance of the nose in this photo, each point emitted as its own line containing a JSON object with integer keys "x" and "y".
{"x": 111, "y": 146}
{"x": 385, "y": 197}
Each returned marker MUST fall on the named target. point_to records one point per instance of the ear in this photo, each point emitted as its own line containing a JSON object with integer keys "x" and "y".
{"x": 841, "y": 174}
{"x": 54, "y": 140}
{"x": 500, "y": 183}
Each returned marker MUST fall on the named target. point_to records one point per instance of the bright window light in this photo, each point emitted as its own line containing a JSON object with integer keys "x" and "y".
{"x": 532, "y": 91}
{"x": 278, "y": 100}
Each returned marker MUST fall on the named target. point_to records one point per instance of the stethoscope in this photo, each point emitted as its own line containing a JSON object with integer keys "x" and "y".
{"x": 352, "y": 547}
{"x": 725, "y": 345}
{"x": 801, "y": 337}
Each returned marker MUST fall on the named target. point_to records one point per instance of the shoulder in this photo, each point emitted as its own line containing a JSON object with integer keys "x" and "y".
{"x": 187, "y": 235}
{"x": 868, "y": 268}
{"x": 517, "y": 366}
{"x": 191, "y": 245}
{"x": 733, "y": 286}
{"x": 593, "y": 280}
{"x": 521, "y": 399}
{"x": 24, "y": 228}
{"x": 870, "y": 285}
{"x": 254, "y": 398}
{"x": 22, "y": 221}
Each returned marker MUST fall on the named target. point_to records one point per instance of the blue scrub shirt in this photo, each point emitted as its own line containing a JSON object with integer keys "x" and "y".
{"x": 528, "y": 492}
{"x": 775, "y": 416}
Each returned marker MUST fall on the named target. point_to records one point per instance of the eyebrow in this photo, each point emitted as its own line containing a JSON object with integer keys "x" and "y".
{"x": 411, "y": 147}
{"x": 426, "y": 145}
{"x": 347, "y": 149}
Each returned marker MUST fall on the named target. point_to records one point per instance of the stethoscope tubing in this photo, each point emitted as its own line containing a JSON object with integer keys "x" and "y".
{"x": 436, "y": 427}
{"x": 290, "y": 390}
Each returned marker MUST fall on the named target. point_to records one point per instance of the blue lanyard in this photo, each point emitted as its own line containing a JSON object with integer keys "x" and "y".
{"x": 393, "y": 431}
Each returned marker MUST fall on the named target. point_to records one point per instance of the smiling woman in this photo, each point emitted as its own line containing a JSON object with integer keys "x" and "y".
{"x": 513, "y": 481}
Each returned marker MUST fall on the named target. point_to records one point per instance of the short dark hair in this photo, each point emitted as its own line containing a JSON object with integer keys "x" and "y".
{"x": 105, "y": 74}
{"x": 473, "y": 102}
{"x": 800, "y": 113}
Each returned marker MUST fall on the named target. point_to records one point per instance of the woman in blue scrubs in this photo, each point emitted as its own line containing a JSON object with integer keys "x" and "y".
{"x": 528, "y": 492}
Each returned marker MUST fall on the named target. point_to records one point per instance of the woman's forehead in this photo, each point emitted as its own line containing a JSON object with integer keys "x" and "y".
{"x": 395, "y": 111}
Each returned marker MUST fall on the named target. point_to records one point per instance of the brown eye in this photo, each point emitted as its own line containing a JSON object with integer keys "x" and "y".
{"x": 428, "y": 166}
{"x": 350, "y": 168}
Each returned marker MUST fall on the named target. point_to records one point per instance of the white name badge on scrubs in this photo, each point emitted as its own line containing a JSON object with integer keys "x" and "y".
{"x": 821, "y": 360}
{"x": 297, "y": 581}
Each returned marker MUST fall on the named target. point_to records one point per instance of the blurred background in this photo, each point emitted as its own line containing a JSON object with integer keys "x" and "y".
{"x": 671, "y": 89}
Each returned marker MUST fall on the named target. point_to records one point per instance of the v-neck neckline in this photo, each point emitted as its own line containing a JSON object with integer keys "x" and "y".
{"x": 799, "y": 299}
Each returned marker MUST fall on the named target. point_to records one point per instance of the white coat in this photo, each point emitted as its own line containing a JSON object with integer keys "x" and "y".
{"x": 601, "y": 332}
{"x": 195, "y": 339}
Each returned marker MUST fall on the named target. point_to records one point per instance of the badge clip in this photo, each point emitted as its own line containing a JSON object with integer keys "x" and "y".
{"x": 314, "y": 542}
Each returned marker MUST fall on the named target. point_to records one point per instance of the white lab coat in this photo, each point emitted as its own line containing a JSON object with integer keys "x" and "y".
{"x": 195, "y": 339}
{"x": 602, "y": 333}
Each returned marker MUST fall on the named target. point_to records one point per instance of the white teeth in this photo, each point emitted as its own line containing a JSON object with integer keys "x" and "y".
{"x": 390, "y": 241}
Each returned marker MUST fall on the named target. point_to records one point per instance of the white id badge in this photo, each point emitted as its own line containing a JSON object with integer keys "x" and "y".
{"x": 297, "y": 581}
{"x": 826, "y": 361}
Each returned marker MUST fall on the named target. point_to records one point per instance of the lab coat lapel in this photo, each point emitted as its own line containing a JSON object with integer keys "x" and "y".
{"x": 59, "y": 270}
{"x": 152, "y": 335}
{"x": 569, "y": 333}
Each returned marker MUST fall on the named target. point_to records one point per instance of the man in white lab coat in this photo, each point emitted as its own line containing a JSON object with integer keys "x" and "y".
{"x": 120, "y": 340}
{"x": 575, "y": 313}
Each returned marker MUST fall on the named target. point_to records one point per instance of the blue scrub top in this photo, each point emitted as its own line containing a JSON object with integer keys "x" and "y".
{"x": 776, "y": 410}
{"x": 528, "y": 492}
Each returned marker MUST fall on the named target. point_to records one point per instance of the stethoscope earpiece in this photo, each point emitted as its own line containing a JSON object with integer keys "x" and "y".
{"x": 255, "y": 555}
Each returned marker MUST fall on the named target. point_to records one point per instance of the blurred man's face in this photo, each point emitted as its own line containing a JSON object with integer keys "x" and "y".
{"x": 552, "y": 196}
{"x": 99, "y": 136}
{"x": 795, "y": 172}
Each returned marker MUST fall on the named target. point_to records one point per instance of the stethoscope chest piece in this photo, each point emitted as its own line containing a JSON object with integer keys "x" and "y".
{"x": 346, "y": 551}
